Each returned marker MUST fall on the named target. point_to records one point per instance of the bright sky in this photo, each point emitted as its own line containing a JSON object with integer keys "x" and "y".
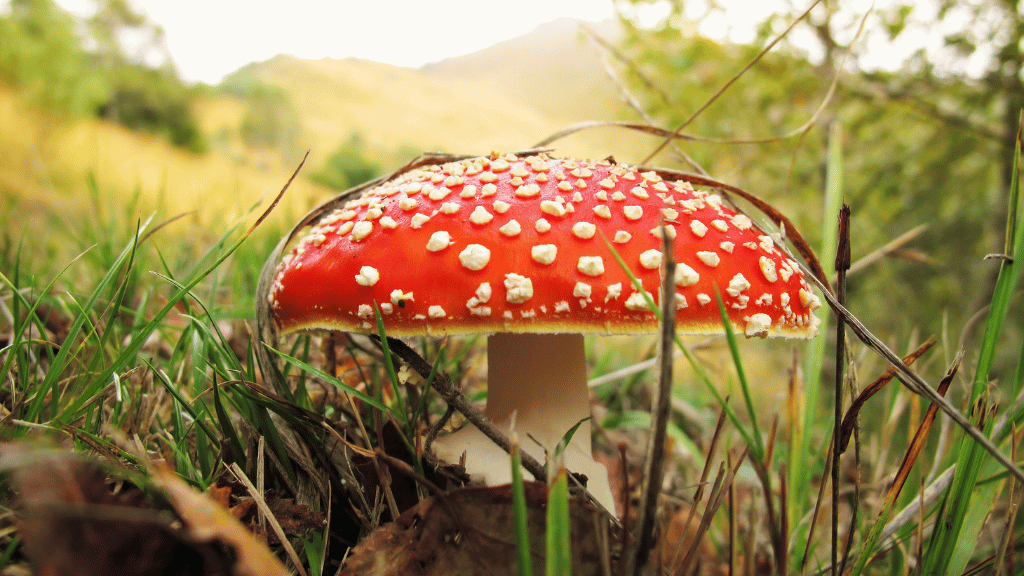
{"x": 210, "y": 38}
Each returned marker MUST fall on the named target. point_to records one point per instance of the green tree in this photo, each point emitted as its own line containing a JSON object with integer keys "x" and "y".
{"x": 271, "y": 120}
{"x": 153, "y": 100}
{"x": 347, "y": 166}
{"x": 41, "y": 54}
{"x": 145, "y": 92}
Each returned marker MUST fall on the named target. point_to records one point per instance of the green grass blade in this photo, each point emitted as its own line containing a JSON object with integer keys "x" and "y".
{"x": 5, "y": 558}
{"x": 227, "y": 429}
{"x": 403, "y": 416}
{"x": 557, "y": 537}
{"x": 18, "y": 300}
{"x": 567, "y": 437}
{"x": 523, "y": 555}
{"x": 139, "y": 338}
{"x": 197, "y": 417}
{"x": 757, "y": 449}
{"x": 313, "y": 546}
{"x": 330, "y": 379}
{"x": 694, "y": 364}
{"x": 428, "y": 385}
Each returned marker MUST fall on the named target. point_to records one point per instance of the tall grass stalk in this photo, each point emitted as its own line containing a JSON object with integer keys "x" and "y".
{"x": 803, "y": 459}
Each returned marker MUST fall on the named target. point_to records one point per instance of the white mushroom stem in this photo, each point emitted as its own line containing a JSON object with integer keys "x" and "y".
{"x": 541, "y": 378}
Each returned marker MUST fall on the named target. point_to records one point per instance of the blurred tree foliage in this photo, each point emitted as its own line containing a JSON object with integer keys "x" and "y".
{"x": 112, "y": 65}
{"x": 927, "y": 141}
{"x": 153, "y": 100}
{"x": 271, "y": 120}
{"x": 41, "y": 52}
{"x": 347, "y": 166}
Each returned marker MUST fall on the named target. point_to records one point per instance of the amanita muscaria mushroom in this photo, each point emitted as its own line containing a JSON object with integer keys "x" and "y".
{"x": 513, "y": 246}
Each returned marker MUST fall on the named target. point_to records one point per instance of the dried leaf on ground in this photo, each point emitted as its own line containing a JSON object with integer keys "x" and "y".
{"x": 207, "y": 522}
{"x": 74, "y": 522}
{"x": 295, "y": 519}
{"x": 470, "y": 531}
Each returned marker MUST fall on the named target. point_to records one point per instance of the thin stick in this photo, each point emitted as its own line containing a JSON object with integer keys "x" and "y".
{"x": 887, "y": 249}
{"x": 655, "y": 465}
{"x": 261, "y": 505}
{"x": 726, "y": 86}
{"x": 842, "y": 265}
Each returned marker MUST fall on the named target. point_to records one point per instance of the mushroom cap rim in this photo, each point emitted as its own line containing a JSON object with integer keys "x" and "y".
{"x": 609, "y": 328}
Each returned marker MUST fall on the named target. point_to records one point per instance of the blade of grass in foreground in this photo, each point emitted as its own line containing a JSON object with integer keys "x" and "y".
{"x": 70, "y": 344}
{"x": 520, "y": 514}
{"x": 559, "y": 544}
{"x": 757, "y": 448}
{"x": 330, "y": 379}
{"x": 216, "y": 256}
{"x": 694, "y": 363}
{"x": 958, "y": 523}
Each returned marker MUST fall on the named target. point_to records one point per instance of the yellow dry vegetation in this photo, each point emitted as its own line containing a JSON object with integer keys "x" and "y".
{"x": 46, "y": 163}
{"x": 391, "y": 106}
{"x": 397, "y": 112}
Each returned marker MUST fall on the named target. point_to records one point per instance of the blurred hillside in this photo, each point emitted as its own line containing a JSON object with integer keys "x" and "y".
{"x": 505, "y": 97}
{"x": 258, "y": 124}
{"x": 555, "y": 70}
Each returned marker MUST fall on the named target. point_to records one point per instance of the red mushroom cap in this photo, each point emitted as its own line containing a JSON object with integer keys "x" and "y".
{"x": 508, "y": 244}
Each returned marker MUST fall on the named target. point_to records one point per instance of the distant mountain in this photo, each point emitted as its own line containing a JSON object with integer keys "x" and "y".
{"x": 392, "y": 107}
{"x": 556, "y": 69}
{"x": 508, "y": 96}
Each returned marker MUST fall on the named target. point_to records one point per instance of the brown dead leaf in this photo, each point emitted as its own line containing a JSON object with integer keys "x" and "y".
{"x": 470, "y": 531}
{"x": 73, "y": 522}
{"x": 207, "y": 522}
{"x": 220, "y": 492}
{"x": 295, "y": 519}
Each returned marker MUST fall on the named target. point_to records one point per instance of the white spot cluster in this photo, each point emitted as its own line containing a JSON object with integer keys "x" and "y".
{"x": 476, "y": 303}
{"x": 584, "y": 230}
{"x": 737, "y": 285}
{"x": 480, "y": 216}
{"x": 712, "y": 259}
{"x": 686, "y": 275}
{"x": 758, "y": 325}
{"x": 503, "y": 205}
{"x": 544, "y": 253}
{"x": 518, "y": 289}
{"x": 767, "y": 266}
{"x": 511, "y": 228}
{"x": 651, "y": 259}
{"x": 637, "y": 302}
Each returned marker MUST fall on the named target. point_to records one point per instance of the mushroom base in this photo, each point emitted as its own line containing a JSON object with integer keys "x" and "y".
{"x": 539, "y": 382}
